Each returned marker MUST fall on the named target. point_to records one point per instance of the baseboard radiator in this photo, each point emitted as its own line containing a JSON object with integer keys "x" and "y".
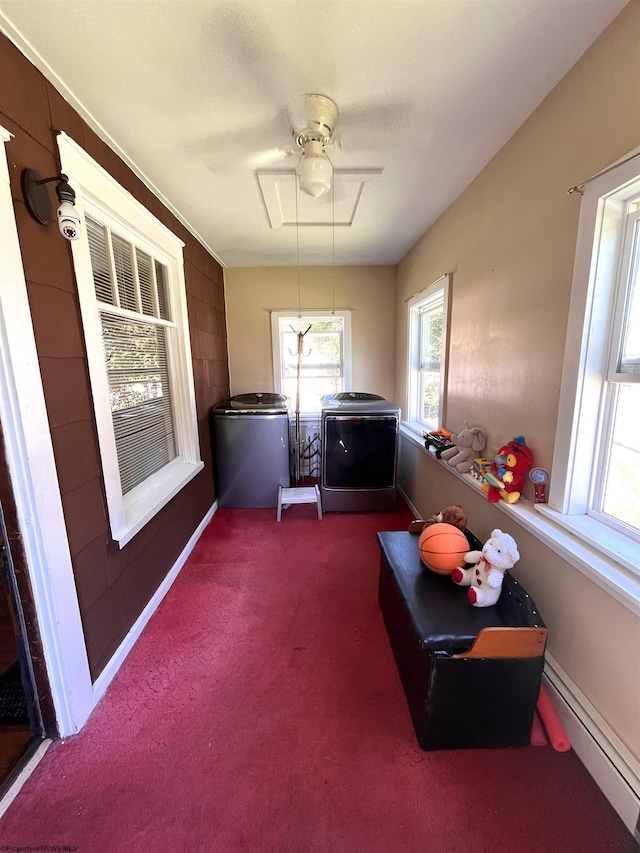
{"x": 614, "y": 768}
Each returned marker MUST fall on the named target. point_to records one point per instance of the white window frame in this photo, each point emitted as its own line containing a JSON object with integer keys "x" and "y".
{"x": 277, "y": 316}
{"x": 101, "y": 197}
{"x": 586, "y": 371}
{"x": 439, "y": 289}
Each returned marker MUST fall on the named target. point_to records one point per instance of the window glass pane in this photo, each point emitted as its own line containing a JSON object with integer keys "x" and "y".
{"x": 430, "y": 338}
{"x": 99, "y": 253}
{"x": 321, "y": 362}
{"x": 145, "y": 280}
{"x": 321, "y": 354}
{"x": 161, "y": 282}
{"x": 630, "y": 356}
{"x": 429, "y": 396}
{"x": 622, "y": 490}
{"x": 123, "y": 263}
{"x": 136, "y": 361}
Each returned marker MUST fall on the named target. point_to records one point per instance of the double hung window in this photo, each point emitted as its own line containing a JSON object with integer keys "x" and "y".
{"x": 134, "y": 316}
{"x": 129, "y": 270}
{"x": 595, "y": 485}
{"x": 325, "y": 357}
{"x": 616, "y": 487}
{"x": 427, "y": 355}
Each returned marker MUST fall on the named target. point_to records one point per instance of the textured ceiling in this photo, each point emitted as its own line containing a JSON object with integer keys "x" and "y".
{"x": 197, "y": 97}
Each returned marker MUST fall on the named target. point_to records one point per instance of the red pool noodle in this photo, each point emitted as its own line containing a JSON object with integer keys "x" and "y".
{"x": 555, "y": 731}
{"x": 538, "y": 737}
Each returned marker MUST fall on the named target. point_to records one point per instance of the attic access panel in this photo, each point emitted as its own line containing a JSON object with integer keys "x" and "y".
{"x": 279, "y": 194}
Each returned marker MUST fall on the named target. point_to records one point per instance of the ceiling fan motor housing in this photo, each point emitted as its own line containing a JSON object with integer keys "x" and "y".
{"x": 322, "y": 116}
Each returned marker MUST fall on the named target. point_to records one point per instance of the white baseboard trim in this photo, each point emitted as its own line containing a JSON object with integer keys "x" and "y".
{"x": 613, "y": 767}
{"x": 23, "y": 775}
{"x": 415, "y": 512}
{"x": 106, "y": 676}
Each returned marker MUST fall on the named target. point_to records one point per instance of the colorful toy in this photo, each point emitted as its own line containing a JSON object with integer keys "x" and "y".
{"x": 438, "y": 440}
{"x": 449, "y": 515}
{"x": 479, "y": 467}
{"x": 467, "y": 444}
{"x": 506, "y": 477}
{"x": 442, "y": 547}
{"x": 486, "y": 573}
{"x": 539, "y": 477}
{"x": 549, "y": 716}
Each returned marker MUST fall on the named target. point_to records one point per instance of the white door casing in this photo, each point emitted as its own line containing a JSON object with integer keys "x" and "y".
{"x": 34, "y": 480}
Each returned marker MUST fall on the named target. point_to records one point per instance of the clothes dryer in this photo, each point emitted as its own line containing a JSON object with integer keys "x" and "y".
{"x": 359, "y": 451}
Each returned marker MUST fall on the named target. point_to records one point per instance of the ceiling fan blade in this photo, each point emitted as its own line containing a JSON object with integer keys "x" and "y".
{"x": 224, "y": 149}
{"x": 376, "y": 125}
{"x": 262, "y": 159}
{"x": 255, "y": 55}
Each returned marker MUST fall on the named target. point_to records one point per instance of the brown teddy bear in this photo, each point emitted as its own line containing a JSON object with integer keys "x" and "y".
{"x": 449, "y": 515}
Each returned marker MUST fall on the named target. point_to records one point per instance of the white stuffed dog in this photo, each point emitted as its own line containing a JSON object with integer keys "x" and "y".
{"x": 485, "y": 577}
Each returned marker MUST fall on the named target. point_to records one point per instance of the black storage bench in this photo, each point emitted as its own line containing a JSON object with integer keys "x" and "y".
{"x": 471, "y": 675}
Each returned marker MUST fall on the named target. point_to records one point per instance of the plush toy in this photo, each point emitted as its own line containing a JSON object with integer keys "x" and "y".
{"x": 467, "y": 445}
{"x": 506, "y": 477}
{"x": 449, "y": 515}
{"x": 485, "y": 576}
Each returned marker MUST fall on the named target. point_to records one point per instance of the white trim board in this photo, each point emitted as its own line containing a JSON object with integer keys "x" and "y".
{"x": 107, "y": 675}
{"x": 34, "y": 481}
{"x": 405, "y": 498}
{"x": 611, "y": 764}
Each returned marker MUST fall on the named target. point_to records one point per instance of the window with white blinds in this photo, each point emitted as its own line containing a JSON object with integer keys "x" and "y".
{"x": 135, "y": 352}
{"x": 130, "y": 273}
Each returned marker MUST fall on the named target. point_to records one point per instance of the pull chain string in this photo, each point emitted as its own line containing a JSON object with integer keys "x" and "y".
{"x": 333, "y": 247}
{"x": 333, "y": 238}
{"x": 298, "y": 244}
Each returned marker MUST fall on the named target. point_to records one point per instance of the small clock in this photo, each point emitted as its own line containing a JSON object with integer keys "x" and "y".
{"x": 539, "y": 477}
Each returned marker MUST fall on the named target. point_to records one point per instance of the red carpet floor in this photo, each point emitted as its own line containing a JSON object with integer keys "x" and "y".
{"x": 261, "y": 711}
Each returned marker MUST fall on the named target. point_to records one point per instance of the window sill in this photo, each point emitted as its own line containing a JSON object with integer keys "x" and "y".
{"x": 583, "y": 542}
{"x": 147, "y": 499}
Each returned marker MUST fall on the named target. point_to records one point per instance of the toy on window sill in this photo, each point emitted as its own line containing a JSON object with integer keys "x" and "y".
{"x": 466, "y": 445}
{"x": 506, "y": 477}
{"x": 484, "y": 577}
{"x": 539, "y": 477}
{"x": 438, "y": 439}
{"x": 479, "y": 467}
{"x": 454, "y": 515}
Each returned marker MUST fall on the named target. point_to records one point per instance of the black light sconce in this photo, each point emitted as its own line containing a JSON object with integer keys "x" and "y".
{"x": 38, "y": 201}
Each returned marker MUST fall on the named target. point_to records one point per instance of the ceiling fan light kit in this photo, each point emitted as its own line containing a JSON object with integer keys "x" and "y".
{"x": 314, "y": 169}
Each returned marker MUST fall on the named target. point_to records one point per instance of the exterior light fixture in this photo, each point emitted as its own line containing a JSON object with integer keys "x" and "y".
{"x": 38, "y": 201}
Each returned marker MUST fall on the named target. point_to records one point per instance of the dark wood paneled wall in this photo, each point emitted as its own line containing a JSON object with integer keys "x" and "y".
{"x": 113, "y": 585}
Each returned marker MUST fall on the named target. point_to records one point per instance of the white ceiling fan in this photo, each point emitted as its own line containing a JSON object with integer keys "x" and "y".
{"x": 273, "y": 78}
{"x": 314, "y": 169}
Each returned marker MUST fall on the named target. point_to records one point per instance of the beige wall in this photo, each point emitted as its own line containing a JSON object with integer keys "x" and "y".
{"x": 509, "y": 241}
{"x": 252, "y": 292}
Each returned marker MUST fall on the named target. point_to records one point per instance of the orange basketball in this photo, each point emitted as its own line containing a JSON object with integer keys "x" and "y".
{"x": 442, "y": 548}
